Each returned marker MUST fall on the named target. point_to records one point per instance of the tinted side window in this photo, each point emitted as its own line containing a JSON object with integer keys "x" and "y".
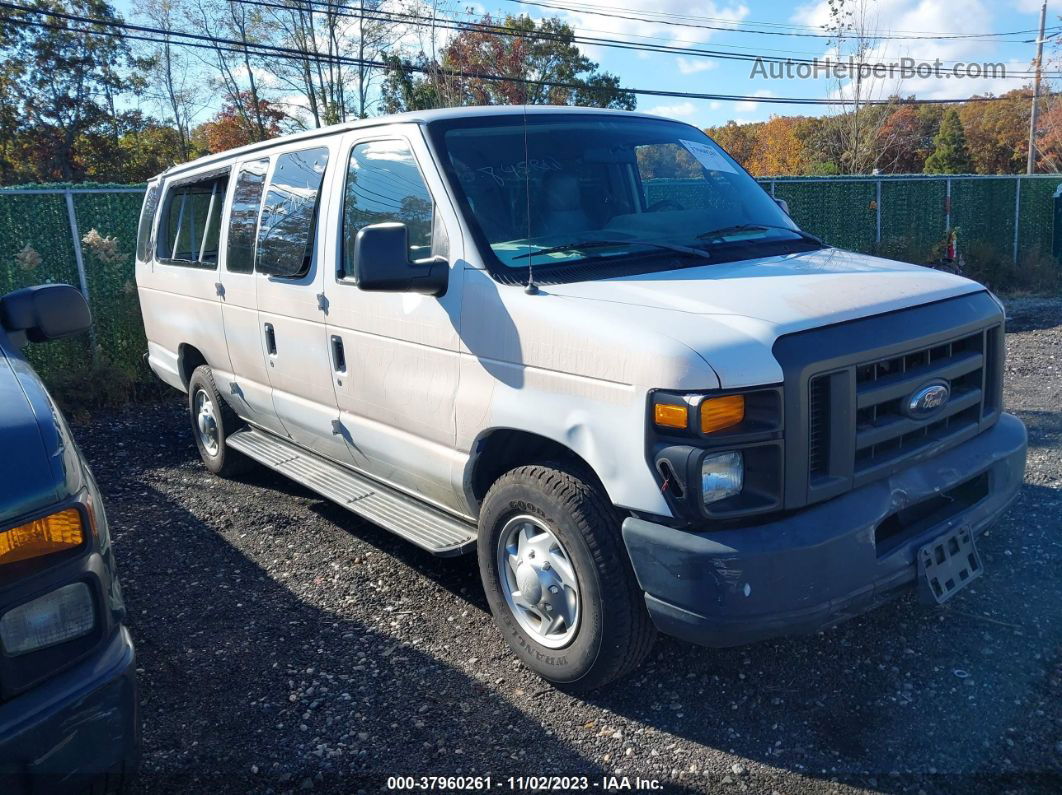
{"x": 147, "y": 219}
{"x": 243, "y": 218}
{"x": 191, "y": 222}
{"x": 289, "y": 214}
{"x": 384, "y": 184}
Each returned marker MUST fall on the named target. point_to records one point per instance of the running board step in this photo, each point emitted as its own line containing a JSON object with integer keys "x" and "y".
{"x": 429, "y": 528}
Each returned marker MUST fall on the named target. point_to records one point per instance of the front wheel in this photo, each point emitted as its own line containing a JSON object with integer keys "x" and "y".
{"x": 558, "y": 579}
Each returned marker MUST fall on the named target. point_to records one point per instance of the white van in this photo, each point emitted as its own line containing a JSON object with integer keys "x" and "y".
{"x": 590, "y": 347}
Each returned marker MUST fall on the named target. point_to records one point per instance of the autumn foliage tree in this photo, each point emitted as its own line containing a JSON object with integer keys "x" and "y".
{"x": 542, "y": 67}
{"x": 231, "y": 127}
{"x": 997, "y": 132}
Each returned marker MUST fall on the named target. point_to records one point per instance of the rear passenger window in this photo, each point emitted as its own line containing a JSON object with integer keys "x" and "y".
{"x": 243, "y": 217}
{"x": 190, "y": 225}
{"x": 384, "y": 184}
{"x": 147, "y": 219}
{"x": 289, "y": 214}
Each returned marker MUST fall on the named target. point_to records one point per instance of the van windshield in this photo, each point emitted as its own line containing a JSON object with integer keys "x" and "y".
{"x": 578, "y": 196}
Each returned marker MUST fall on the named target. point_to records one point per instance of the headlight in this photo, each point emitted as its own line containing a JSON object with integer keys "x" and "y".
{"x": 718, "y": 455}
{"x": 64, "y": 614}
{"x": 722, "y": 476}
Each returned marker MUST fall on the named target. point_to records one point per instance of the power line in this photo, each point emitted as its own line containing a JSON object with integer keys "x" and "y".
{"x": 732, "y": 26}
{"x": 417, "y": 20}
{"x": 203, "y": 41}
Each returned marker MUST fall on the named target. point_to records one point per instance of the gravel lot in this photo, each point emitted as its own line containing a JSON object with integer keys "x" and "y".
{"x": 283, "y": 644}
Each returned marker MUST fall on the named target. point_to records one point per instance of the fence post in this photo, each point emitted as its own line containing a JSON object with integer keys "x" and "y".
{"x": 877, "y": 206}
{"x": 79, "y": 258}
{"x": 1017, "y": 215}
{"x": 947, "y": 206}
{"x": 774, "y": 183}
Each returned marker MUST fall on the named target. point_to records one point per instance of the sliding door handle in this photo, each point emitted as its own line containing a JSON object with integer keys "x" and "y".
{"x": 339, "y": 357}
{"x": 270, "y": 339}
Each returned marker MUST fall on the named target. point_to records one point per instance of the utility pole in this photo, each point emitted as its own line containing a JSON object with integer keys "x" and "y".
{"x": 1031, "y": 164}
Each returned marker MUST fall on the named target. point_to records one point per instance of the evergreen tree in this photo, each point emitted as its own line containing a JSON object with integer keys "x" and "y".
{"x": 950, "y": 155}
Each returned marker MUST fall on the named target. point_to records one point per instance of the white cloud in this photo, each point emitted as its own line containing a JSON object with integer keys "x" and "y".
{"x": 680, "y": 110}
{"x": 655, "y": 16}
{"x": 1033, "y": 7}
{"x": 922, "y": 17}
{"x": 749, "y": 106}
{"x": 690, "y": 66}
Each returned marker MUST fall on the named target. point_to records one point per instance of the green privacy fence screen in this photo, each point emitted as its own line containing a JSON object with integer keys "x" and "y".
{"x": 1011, "y": 219}
{"x": 37, "y": 246}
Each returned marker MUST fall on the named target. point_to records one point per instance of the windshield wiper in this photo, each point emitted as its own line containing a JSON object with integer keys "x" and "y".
{"x": 603, "y": 243}
{"x": 738, "y": 228}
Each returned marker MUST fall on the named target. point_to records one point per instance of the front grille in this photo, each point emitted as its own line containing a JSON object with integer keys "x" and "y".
{"x": 874, "y": 393}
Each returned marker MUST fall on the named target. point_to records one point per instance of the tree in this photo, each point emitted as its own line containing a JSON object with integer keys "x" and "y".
{"x": 950, "y": 155}
{"x": 326, "y": 36}
{"x": 780, "y": 150}
{"x": 857, "y": 135}
{"x": 145, "y": 147}
{"x": 235, "y": 65}
{"x": 544, "y": 66}
{"x": 63, "y": 77}
{"x": 907, "y": 138}
{"x": 239, "y": 125}
{"x": 170, "y": 81}
{"x": 997, "y": 132}
{"x": 741, "y": 141}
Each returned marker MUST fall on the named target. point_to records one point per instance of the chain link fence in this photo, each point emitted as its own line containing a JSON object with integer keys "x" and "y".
{"x": 86, "y": 236}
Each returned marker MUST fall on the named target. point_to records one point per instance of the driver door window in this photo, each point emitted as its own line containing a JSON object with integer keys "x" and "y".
{"x": 384, "y": 185}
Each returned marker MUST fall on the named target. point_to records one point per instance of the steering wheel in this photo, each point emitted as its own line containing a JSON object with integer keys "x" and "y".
{"x": 664, "y": 204}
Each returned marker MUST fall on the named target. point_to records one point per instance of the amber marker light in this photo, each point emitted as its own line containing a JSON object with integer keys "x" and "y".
{"x": 670, "y": 416}
{"x": 56, "y": 532}
{"x": 722, "y": 412}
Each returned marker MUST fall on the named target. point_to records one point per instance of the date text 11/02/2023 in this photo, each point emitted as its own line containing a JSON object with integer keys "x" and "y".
{"x": 521, "y": 783}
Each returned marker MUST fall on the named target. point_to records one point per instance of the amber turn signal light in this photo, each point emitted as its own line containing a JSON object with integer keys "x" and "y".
{"x": 670, "y": 416}
{"x": 56, "y": 532}
{"x": 722, "y": 412}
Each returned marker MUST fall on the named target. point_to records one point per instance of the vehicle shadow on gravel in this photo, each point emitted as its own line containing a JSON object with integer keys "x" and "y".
{"x": 906, "y": 697}
{"x": 1044, "y": 427}
{"x": 245, "y": 686}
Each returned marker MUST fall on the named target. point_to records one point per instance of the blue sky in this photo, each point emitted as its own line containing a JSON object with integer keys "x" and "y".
{"x": 714, "y": 75}
{"x": 709, "y": 75}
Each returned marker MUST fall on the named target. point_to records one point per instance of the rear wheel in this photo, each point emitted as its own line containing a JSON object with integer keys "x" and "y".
{"x": 558, "y": 579}
{"x": 213, "y": 420}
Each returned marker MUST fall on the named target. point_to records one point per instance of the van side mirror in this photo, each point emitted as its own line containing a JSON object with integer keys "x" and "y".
{"x": 381, "y": 263}
{"x": 45, "y": 312}
{"x": 784, "y": 205}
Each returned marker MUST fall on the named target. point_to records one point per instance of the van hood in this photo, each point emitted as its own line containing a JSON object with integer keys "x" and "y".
{"x": 731, "y": 314}
{"x": 36, "y": 468}
{"x": 789, "y": 293}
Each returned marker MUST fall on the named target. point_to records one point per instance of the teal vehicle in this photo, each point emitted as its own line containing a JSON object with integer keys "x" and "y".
{"x": 68, "y": 705}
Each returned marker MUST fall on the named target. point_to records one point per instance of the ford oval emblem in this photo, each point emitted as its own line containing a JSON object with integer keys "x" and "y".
{"x": 927, "y": 400}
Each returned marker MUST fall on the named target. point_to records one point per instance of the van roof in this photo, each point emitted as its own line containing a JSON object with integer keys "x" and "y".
{"x": 414, "y": 117}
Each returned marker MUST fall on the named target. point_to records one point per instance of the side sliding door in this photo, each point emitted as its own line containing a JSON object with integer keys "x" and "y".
{"x": 245, "y": 384}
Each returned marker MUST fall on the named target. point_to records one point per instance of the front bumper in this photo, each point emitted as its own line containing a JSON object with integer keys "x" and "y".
{"x": 77, "y": 731}
{"x": 819, "y": 566}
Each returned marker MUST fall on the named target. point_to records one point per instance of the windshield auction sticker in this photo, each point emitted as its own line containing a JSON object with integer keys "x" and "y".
{"x": 712, "y": 159}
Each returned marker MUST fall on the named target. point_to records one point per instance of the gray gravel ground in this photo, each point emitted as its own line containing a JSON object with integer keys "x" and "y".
{"x": 283, "y": 644}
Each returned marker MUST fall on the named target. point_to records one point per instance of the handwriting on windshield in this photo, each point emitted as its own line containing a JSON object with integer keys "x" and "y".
{"x": 520, "y": 170}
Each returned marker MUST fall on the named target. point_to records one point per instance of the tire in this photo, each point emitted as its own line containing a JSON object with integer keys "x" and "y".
{"x": 611, "y": 633}
{"x": 219, "y": 459}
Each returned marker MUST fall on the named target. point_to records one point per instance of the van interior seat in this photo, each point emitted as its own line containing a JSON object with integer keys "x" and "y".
{"x": 564, "y": 213}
